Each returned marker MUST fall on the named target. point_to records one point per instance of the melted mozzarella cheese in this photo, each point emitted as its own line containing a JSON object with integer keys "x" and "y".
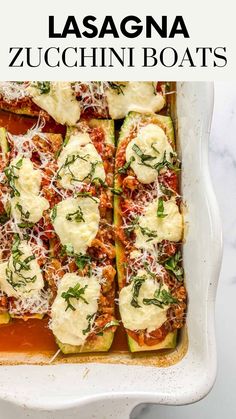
{"x": 168, "y": 228}
{"x": 69, "y": 326}
{"x": 24, "y": 288}
{"x": 80, "y": 149}
{"x": 59, "y": 102}
{"x": 153, "y": 142}
{"x": 79, "y": 235}
{"x": 148, "y": 317}
{"x": 134, "y": 96}
{"x": 27, "y": 182}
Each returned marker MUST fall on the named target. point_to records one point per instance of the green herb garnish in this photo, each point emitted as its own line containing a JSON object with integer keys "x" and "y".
{"x": 143, "y": 157}
{"x": 89, "y": 317}
{"x": 4, "y": 218}
{"x": 166, "y": 191}
{"x": 12, "y": 176}
{"x": 77, "y": 216}
{"x": 97, "y": 181}
{"x": 44, "y": 87}
{"x": 25, "y": 223}
{"x": 160, "y": 209}
{"x": 68, "y": 250}
{"x": 54, "y": 213}
{"x": 19, "y": 265}
{"x": 137, "y": 283}
{"x": 161, "y": 298}
{"x": 82, "y": 261}
{"x": 173, "y": 264}
{"x": 123, "y": 169}
{"x": 118, "y": 87}
{"x": 86, "y": 194}
{"x": 165, "y": 163}
{"x": 116, "y": 191}
{"x": 107, "y": 325}
{"x": 70, "y": 160}
{"x": 76, "y": 292}
{"x": 146, "y": 231}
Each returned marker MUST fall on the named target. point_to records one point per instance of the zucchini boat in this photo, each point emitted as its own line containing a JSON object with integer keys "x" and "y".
{"x": 149, "y": 227}
{"x": 65, "y": 102}
{"x": 83, "y": 312}
{"x": 24, "y": 291}
{"x": 117, "y": 99}
{"x": 54, "y": 99}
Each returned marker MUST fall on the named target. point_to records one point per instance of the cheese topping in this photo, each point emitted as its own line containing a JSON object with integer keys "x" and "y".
{"x": 152, "y": 142}
{"x": 70, "y": 326}
{"x": 59, "y": 101}
{"x": 152, "y": 229}
{"x": 28, "y": 206}
{"x": 133, "y": 96}
{"x": 79, "y": 162}
{"x": 148, "y": 317}
{"x": 76, "y": 222}
{"x": 21, "y": 276}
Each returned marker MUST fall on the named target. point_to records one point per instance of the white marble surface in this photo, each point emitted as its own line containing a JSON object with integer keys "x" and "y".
{"x": 221, "y": 402}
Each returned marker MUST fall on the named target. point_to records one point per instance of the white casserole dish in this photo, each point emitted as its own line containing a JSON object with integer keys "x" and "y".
{"x": 103, "y": 390}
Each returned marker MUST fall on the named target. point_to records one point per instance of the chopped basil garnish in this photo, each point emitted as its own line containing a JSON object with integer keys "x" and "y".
{"x": 43, "y": 86}
{"x": 25, "y": 223}
{"x": 70, "y": 160}
{"x": 82, "y": 261}
{"x": 146, "y": 267}
{"x": 161, "y": 298}
{"x": 166, "y": 191}
{"x": 89, "y": 317}
{"x": 155, "y": 149}
{"x": 76, "y": 292}
{"x": 137, "y": 283}
{"x": 90, "y": 175}
{"x": 118, "y": 87}
{"x": 4, "y": 218}
{"x": 77, "y": 216}
{"x": 165, "y": 163}
{"x": 173, "y": 264}
{"x": 116, "y": 191}
{"x": 86, "y": 194}
{"x": 19, "y": 265}
{"x": 97, "y": 181}
{"x": 68, "y": 250}
{"x": 12, "y": 176}
{"x": 123, "y": 169}
{"x": 146, "y": 231}
{"x": 143, "y": 157}
{"x": 107, "y": 325}
{"x": 130, "y": 228}
{"x": 160, "y": 209}
{"x": 54, "y": 213}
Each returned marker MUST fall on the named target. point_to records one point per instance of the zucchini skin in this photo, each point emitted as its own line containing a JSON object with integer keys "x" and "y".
{"x": 4, "y": 143}
{"x": 133, "y": 117}
{"x": 101, "y": 343}
{"x": 5, "y": 318}
{"x": 168, "y": 343}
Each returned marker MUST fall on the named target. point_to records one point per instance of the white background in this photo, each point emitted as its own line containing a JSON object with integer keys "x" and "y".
{"x": 221, "y": 403}
{"x": 210, "y": 24}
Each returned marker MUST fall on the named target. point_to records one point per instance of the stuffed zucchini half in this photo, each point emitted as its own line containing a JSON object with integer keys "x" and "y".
{"x": 24, "y": 291}
{"x": 66, "y": 102}
{"x": 83, "y": 311}
{"x": 149, "y": 229}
